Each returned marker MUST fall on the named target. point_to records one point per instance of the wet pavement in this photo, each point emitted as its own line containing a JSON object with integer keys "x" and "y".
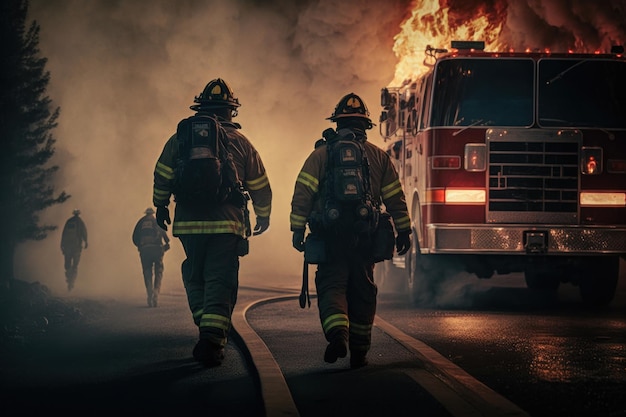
{"x": 552, "y": 358}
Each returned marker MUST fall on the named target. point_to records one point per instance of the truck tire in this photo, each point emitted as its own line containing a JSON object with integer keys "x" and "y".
{"x": 421, "y": 277}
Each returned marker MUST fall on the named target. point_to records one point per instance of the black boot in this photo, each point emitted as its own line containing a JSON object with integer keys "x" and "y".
{"x": 208, "y": 353}
{"x": 337, "y": 348}
{"x": 358, "y": 359}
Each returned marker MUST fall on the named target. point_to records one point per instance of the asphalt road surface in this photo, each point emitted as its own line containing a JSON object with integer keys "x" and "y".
{"x": 510, "y": 358}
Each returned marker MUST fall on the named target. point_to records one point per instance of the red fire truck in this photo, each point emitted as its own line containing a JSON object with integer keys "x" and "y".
{"x": 512, "y": 162}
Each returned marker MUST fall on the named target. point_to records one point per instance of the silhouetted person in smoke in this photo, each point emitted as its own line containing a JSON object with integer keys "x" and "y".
{"x": 213, "y": 229}
{"x": 152, "y": 243}
{"x": 72, "y": 239}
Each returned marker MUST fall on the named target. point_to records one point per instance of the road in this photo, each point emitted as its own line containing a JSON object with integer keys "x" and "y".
{"x": 501, "y": 352}
{"x": 552, "y": 357}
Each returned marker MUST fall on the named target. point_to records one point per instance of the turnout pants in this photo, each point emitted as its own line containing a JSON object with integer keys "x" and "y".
{"x": 211, "y": 279}
{"x": 346, "y": 295}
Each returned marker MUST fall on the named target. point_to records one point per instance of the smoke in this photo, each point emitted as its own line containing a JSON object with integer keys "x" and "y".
{"x": 125, "y": 72}
{"x": 558, "y": 25}
{"x": 561, "y": 25}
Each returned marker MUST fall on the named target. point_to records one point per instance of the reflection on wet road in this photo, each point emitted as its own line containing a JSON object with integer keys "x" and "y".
{"x": 551, "y": 356}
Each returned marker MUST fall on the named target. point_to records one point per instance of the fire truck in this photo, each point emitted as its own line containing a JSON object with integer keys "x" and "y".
{"x": 511, "y": 162}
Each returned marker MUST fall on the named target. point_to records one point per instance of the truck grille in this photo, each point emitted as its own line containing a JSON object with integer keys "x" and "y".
{"x": 533, "y": 176}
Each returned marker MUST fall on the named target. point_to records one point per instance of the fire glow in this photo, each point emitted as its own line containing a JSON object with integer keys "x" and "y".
{"x": 505, "y": 25}
{"x": 434, "y": 23}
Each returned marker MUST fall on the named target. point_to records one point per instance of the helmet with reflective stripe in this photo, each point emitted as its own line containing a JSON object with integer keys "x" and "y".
{"x": 216, "y": 94}
{"x": 350, "y": 105}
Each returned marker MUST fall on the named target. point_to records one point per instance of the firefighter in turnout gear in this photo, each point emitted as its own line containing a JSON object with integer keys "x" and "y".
{"x": 152, "y": 243}
{"x": 345, "y": 286}
{"x": 214, "y": 235}
{"x": 72, "y": 239}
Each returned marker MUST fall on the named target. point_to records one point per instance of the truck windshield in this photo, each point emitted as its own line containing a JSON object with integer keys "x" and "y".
{"x": 582, "y": 93}
{"x": 483, "y": 92}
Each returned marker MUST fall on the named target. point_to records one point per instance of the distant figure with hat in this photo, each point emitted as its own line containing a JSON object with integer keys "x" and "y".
{"x": 152, "y": 243}
{"x": 72, "y": 239}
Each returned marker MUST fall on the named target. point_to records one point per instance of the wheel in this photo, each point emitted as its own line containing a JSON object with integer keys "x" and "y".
{"x": 541, "y": 280}
{"x": 598, "y": 280}
{"x": 421, "y": 277}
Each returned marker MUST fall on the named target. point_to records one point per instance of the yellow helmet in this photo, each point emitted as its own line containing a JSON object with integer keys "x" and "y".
{"x": 350, "y": 105}
{"x": 216, "y": 94}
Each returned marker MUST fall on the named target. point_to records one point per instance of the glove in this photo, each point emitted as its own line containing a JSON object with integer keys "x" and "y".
{"x": 262, "y": 224}
{"x": 166, "y": 247}
{"x": 162, "y": 217}
{"x": 298, "y": 240}
{"x": 403, "y": 242}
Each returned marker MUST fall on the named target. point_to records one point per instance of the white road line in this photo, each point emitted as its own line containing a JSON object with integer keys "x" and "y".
{"x": 275, "y": 392}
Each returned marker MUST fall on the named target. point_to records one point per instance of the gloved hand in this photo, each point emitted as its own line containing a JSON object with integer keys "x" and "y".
{"x": 162, "y": 217}
{"x": 403, "y": 242}
{"x": 262, "y": 224}
{"x": 166, "y": 247}
{"x": 298, "y": 240}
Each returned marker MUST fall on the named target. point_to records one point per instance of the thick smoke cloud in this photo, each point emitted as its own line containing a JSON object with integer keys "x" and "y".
{"x": 584, "y": 26}
{"x": 125, "y": 72}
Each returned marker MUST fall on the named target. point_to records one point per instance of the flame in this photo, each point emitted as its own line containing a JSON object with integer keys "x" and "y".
{"x": 437, "y": 23}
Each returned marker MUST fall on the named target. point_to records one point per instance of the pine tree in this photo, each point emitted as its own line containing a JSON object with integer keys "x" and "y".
{"x": 26, "y": 140}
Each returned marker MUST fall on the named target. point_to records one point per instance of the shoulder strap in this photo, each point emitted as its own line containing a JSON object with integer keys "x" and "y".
{"x": 226, "y": 157}
{"x": 233, "y": 176}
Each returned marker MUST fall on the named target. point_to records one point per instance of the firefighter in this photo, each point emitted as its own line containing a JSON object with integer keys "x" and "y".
{"x": 345, "y": 286}
{"x": 72, "y": 239}
{"x": 152, "y": 243}
{"x": 213, "y": 236}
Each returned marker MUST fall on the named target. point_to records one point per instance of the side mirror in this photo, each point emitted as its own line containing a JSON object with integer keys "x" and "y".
{"x": 385, "y": 98}
{"x": 384, "y": 125}
{"x": 414, "y": 121}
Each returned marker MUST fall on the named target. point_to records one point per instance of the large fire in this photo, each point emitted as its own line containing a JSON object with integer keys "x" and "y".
{"x": 437, "y": 23}
{"x": 503, "y": 25}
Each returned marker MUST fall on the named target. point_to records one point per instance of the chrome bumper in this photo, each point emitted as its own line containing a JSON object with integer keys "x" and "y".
{"x": 524, "y": 239}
